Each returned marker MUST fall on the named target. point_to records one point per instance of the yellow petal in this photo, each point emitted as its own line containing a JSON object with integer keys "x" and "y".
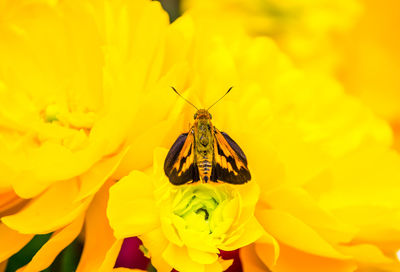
{"x": 44, "y": 172}
{"x": 308, "y": 211}
{"x": 99, "y": 236}
{"x": 365, "y": 253}
{"x": 250, "y": 260}
{"x": 167, "y": 225}
{"x": 293, "y": 260}
{"x": 111, "y": 257}
{"x": 50, "y": 211}
{"x": 156, "y": 242}
{"x": 224, "y": 264}
{"x": 367, "y": 176}
{"x": 133, "y": 192}
{"x": 293, "y": 232}
{"x": 202, "y": 257}
{"x": 377, "y": 224}
{"x": 3, "y": 266}
{"x": 249, "y": 193}
{"x": 267, "y": 249}
{"x": 218, "y": 266}
{"x": 252, "y": 231}
{"x": 8, "y": 200}
{"x": 178, "y": 258}
{"x": 11, "y": 242}
{"x": 49, "y": 251}
{"x": 92, "y": 180}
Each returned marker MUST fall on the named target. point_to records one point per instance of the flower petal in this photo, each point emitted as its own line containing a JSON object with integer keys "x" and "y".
{"x": 308, "y": 211}
{"x": 252, "y": 231}
{"x": 50, "y": 211}
{"x": 155, "y": 241}
{"x": 293, "y": 260}
{"x": 293, "y": 232}
{"x": 49, "y": 251}
{"x": 267, "y": 249}
{"x": 111, "y": 256}
{"x": 8, "y": 200}
{"x": 202, "y": 257}
{"x": 178, "y": 258}
{"x": 250, "y": 260}
{"x": 97, "y": 229}
{"x": 92, "y": 180}
{"x": 11, "y": 242}
{"x": 132, "y": 192}
{"x": 366, "y": 254}
{"x": 3, "y": 266}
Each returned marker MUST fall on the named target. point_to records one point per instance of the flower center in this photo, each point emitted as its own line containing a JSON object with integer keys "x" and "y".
{"x": 197, "y": 205}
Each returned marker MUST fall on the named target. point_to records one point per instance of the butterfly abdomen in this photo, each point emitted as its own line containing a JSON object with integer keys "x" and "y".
{"x": 204, "y": 148}
{"x": 204, "y": 165}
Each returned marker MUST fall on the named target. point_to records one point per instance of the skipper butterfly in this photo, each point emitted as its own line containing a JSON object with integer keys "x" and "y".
{"x": 205, "y": 154}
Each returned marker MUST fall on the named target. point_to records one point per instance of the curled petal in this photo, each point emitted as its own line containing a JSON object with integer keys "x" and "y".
{"x": 56, "y": 207}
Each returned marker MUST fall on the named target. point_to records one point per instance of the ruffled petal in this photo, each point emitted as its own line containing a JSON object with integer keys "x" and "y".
{"x": 56, "y": 207}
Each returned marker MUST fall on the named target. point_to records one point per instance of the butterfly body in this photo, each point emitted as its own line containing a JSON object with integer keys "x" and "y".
{"x": 203, "y": 144}
{"x": 205, "y": 154}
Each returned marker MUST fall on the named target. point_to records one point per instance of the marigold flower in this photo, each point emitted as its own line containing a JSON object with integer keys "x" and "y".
{"x": 74, "y": 76}
{"x": 183, "y": 227}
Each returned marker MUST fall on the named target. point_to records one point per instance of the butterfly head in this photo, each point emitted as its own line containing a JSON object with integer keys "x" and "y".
{"x": 202, "y": 114}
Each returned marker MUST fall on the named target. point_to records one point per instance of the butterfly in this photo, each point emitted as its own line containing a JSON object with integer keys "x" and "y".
{"x": 205, "y": 154}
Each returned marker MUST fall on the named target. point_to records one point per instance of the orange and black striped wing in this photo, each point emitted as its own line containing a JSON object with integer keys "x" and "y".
{"x": 230, "y": 162}
{"x": 179, "y": 165}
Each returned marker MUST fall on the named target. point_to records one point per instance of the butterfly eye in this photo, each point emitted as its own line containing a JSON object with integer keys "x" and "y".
{"x": 195, "y": 116}
{"x": 210, "y": 116}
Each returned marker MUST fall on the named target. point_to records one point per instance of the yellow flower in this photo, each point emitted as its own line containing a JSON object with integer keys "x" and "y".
{"x": 344, "y": 218}
{"x": 371, "y": 61}
{"x": 74, "y": 79}
{"x": 305, "y": 29}
{"x": 183, "y": 227}
{"x": 309, "y": 146}
{"x": 85, "y": 99}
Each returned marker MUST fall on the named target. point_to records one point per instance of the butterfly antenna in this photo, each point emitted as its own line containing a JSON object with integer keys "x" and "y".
{"x": 184, "y": 98}
{"x": 220, "y": 98}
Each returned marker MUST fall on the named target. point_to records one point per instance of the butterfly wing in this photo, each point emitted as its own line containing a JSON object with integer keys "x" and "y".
{"x": 179, "y": 165}
{"x": 230, "y": 162}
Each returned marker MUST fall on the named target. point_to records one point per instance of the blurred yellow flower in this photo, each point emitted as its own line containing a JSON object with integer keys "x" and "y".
{"x": 74, "y": 76}
{"x": 305, "y": 29}
{"x": 371, "y": 62}
{"x": 183, "y": 227}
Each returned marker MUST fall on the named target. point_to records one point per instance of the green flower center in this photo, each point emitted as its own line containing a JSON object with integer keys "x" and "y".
{"x": 196, "y": 205}
{"x": 51, "y": 113}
